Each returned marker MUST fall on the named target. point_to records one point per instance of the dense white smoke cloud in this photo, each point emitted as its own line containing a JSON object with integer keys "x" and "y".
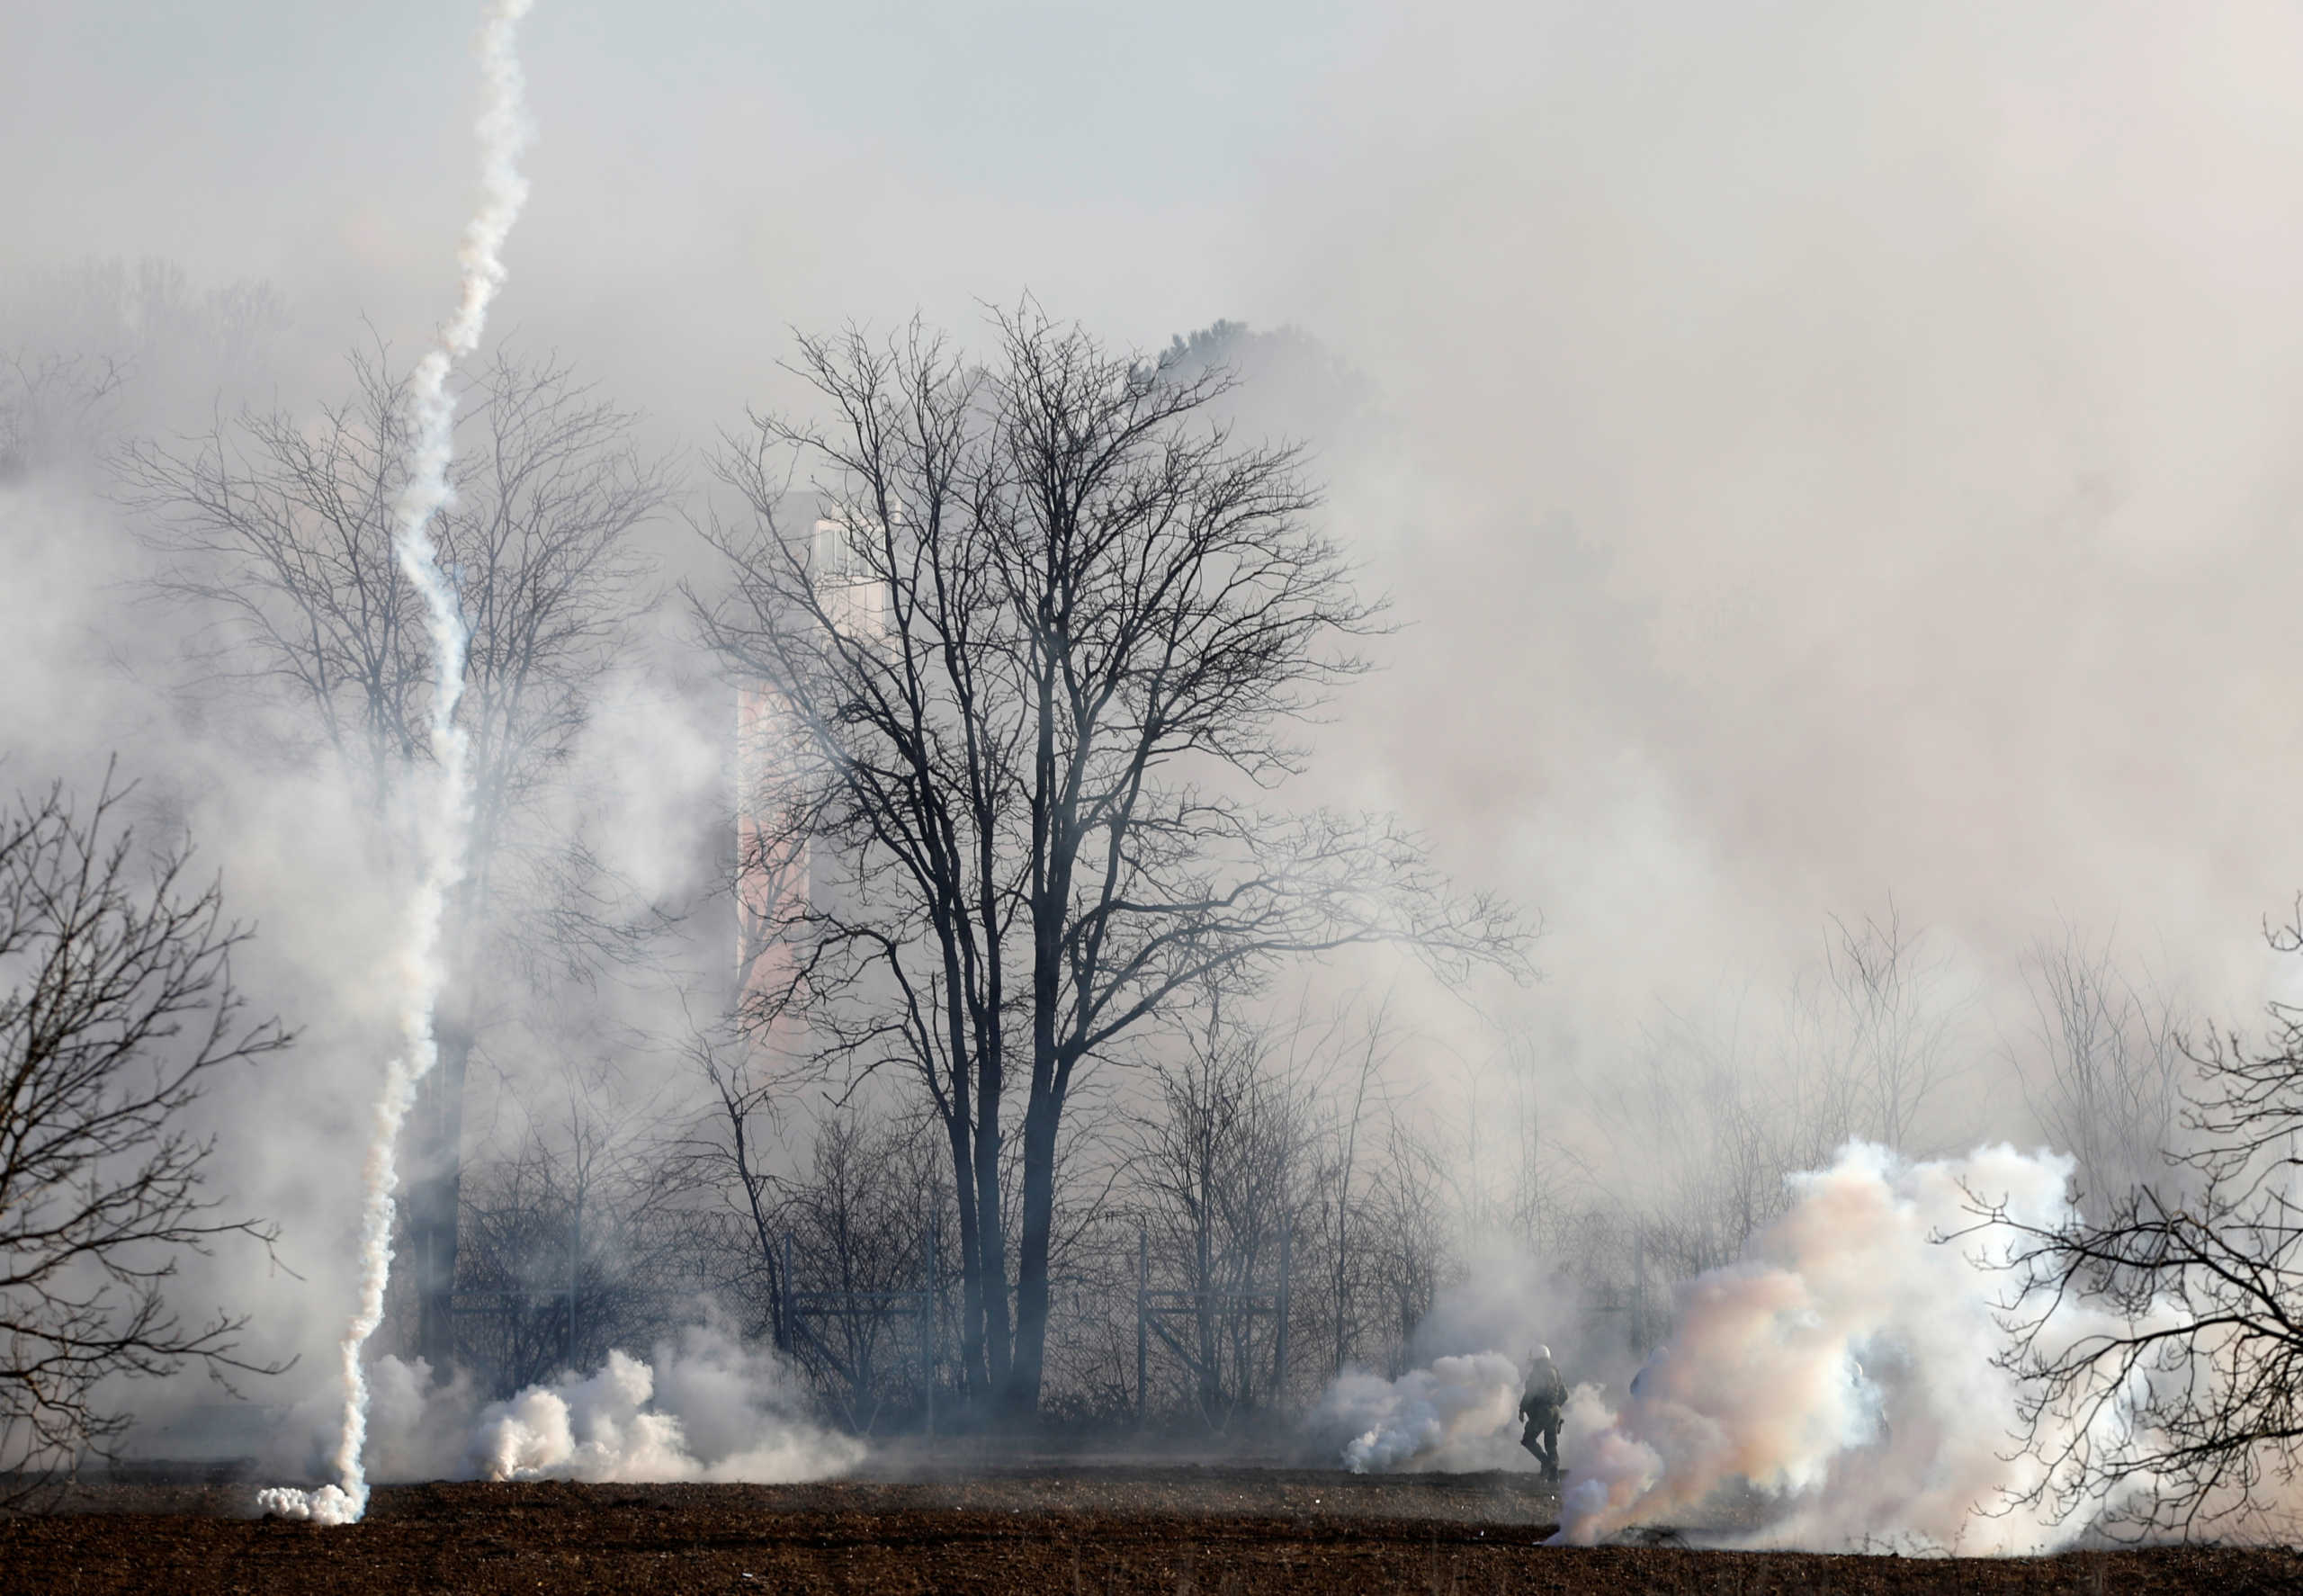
{"x": 1847, "y": 1369}
{"x": 1458, "y": 1410}
{"x": 1844, "y": 1368}
{"x": 703, "y": 1408}
{"x": 503, "y": 132}
{"x": 1460, "y": 1415}
{"x": 705, "y": 1411}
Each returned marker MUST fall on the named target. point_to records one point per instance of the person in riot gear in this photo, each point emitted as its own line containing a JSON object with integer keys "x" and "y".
{"x": 1539, "y": 1406}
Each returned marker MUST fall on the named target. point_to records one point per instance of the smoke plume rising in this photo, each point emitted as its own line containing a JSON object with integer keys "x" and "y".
{"x": 503, "y": 133}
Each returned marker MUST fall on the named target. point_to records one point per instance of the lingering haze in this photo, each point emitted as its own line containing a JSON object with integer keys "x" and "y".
{"x": 1847, "y": 442}
{"x": 1823, "y": 452}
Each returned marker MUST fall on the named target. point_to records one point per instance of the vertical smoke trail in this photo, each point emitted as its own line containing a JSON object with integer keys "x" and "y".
{"x": 504, "y": 133}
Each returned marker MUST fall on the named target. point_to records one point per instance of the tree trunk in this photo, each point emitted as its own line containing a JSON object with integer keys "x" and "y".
{"x": 1040, "y": 1120}
{"x": 972, "y": 1372}
{"x": 992, "y": 1232}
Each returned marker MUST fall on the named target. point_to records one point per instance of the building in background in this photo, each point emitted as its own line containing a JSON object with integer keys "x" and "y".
{"x": 780, "y": 876}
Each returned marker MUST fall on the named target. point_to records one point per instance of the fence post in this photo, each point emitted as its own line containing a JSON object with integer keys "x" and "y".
{"x": 1279, "y": 1351}
{"x": 1142, "y": 1322}
{"x": 928, "y": 1330}
{"x": 791, "y": 1307}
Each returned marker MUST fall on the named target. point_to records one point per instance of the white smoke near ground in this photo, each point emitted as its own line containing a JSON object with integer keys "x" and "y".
{"x": 704, "y": 1411}
{"x": 1847, "y": 1368}
{"x": 419, "y": 1425}
{"x": 1458, "y": 1410}
{"x": 1458, "y": 1416}
{"x": 503, "y": 132}
{"x": 1844, "y": 1381}
{"x": 704, "y": 1407}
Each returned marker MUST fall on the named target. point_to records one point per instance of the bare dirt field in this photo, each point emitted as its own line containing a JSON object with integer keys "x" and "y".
{"x": 1054, "y": 1530}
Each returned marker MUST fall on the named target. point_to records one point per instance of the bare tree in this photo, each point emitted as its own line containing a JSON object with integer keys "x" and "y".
{"x": 119, "y": 1011}
{"x": 99, "y": 348}
{"x": 1703, "y": 1132}
{"x": 1897, "y": 1023}
{"x": 278, "y": 527}
{"x": 2106, "y": 1071}
{"x": 1221, "y": 1171}
{"x": 1340, "y": 1181}
{"x": 1405, "y": 1230}
{"x": 860, "y": 1219}
{"x": 49, "y": 409}
{"x": 829, "y": 1251}
{"x": 1040, "y": 645}
{"x": 2179, "y": 1399}
{"x": 575, "y": 1238}
{"x": 732, "y": 1149}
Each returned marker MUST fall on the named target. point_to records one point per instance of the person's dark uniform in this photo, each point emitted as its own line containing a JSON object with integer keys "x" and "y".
{"x": 1539, "y": 1406}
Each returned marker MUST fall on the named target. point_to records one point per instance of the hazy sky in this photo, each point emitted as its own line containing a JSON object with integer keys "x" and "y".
{"x": 1839, "y": 449}
{"x": 706, "y": 174}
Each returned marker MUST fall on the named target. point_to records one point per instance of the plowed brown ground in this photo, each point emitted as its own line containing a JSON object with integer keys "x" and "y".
{"x": 1046, "y": 1532}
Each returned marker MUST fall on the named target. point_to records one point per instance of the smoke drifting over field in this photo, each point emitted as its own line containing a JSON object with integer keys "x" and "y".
{"x": 704, "y": 1408}
{"x": 1851, "y": 1367}
{"x": 1847, "y": 1368}
{"x": 1832, "y": 466}
{"x": 1460, "y": 1414}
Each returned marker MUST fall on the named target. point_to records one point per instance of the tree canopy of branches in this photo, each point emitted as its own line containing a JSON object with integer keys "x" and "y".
{"x": 48, "y": 406}
{"x": 577, "y": 1238}
{"x": 119, "y": 1008}
{"x": 279, "y": 526}
{"x": 99, "y": 349}
{"x": 2183, "y": 1399}
{"x": 2108, "y": 1071}
{"x": 1724, "y": 1105}
{"x": 1030, "y": 652}
{"x": 1222, "y": 1166}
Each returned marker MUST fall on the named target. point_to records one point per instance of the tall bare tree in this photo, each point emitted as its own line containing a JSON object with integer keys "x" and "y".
{"x": 1221, "y": 1166}
{"x": 1349, "y": 1088}
{"x": 2105, "y": 1070}
{"x": 1896, "y": 1016}
{"x": 278, "y": 526}
{"x": 1035, "y": 647}
{"x": 577, "y": 1236}
{"x": 119, "y": 1011}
